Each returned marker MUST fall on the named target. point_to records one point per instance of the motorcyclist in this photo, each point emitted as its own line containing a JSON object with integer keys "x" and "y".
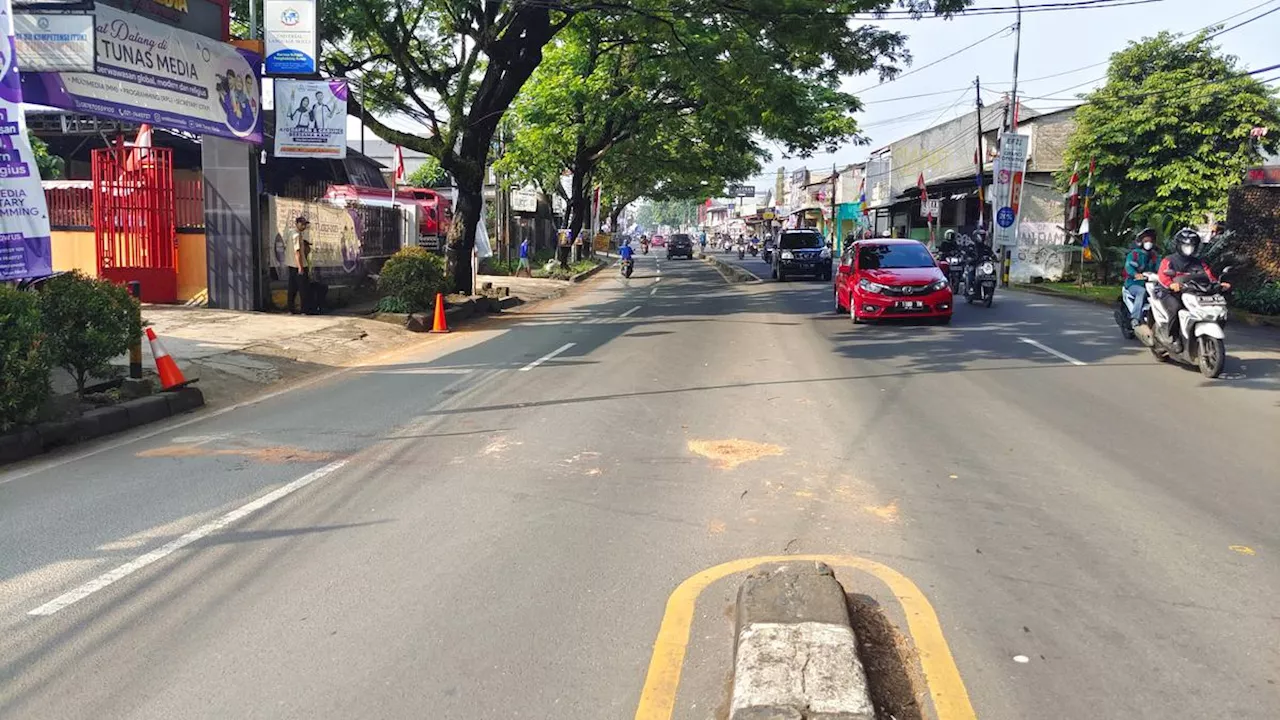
{"x": 1174, "y": 270}
{"x": 949, "y": 247}
{"x": 1142, "y": 259}
{"x": 644, "y": 242}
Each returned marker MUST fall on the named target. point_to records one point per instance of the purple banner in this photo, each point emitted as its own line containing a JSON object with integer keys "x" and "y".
{"x": 153, "y": 73}
{"x": 24, "y": 217}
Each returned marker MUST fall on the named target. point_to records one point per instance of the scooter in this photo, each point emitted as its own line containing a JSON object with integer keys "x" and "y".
{"x": 754, "y": 250}
{"x": 742, "y": 252}
{"x": 1201, "y": 322}
{"x": 980, "y": 283}
{"x": 628, "y": 266}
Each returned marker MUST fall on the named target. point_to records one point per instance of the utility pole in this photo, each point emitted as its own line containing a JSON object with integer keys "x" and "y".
{"x": 1017, "y": 47}
{"x": 835, "y": 228}
{"x": 978, "y": 157}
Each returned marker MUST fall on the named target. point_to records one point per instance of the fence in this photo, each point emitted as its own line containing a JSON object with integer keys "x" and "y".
{"x": 71, "y": 204}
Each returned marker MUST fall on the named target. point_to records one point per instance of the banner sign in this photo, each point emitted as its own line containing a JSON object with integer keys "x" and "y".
{"x": 1042, "y": 252}
{"x": 1006, "y": 191}
{"x": 311, "y": 118}
{"x": 524, "y": 200}
{"x": 292, "y": 41}
{"x": 149, "y": 72}
{"x": 24, "y": 217}
{"x": 335, "y": 239}
{"x": 54, "y": 43}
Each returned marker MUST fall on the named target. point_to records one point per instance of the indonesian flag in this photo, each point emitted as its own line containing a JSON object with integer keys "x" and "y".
{"x": 1073, "y": 198}
{"x": 134, "y": 161}
{"x": 398, "y": 164}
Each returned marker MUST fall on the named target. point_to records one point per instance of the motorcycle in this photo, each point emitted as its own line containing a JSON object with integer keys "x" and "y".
{"x": 628, "y": 266}
{"x": 980, "y": 282}
{"x": 1124, "y": 319}
{"x": 1200, "y": 322}
{"x": 644, "y": 248}
{"x": 754, "y": 250}
{"x": 742, "y": 251}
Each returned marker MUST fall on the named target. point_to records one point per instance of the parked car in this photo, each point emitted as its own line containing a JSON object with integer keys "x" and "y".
{"x": 681, "y": 245}
{"x": 891, "y": 278}
{"x": 801, "y": 251}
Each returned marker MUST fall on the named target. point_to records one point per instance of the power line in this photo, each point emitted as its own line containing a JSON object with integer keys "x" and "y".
{"x": 935, "y": 62}
{"x": 1180, "y": 88}
{"x": 1241, "y": 24}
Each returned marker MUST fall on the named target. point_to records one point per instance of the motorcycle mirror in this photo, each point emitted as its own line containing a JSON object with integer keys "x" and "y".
{"x": 1226, "y": 270}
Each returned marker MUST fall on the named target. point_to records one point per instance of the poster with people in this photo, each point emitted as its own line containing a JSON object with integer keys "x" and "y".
{"x": 311, "y": 118}
{"x": 149, "y": 72}
{"x": 24, "y": 216}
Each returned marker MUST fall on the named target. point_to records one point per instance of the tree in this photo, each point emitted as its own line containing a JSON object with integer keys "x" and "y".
{"x": 1170, "y": 128}
{"x": 455, "y": 66}
{"x": 427, "y": 175}
{"x": 50, "y": 166}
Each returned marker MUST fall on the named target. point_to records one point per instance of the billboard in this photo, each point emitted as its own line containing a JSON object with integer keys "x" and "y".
{"x": 54, "y": 43}
{"x": 311, "y": 118}
{"x": 149, "y": 72}
{"x": 24, "y": 217}
{"x": 292, "y": 41}
{"x": 1006, "y": 190}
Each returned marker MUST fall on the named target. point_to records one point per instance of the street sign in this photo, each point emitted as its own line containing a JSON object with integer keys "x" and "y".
{"x": 742, "y": 191}
{"x": 931, "y": 208}
{"x": 1005, "y": 216}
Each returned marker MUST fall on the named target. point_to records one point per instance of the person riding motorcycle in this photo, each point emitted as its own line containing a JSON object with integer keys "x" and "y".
{"x": 644, "y": 243}
{"x": 1174, "y": 269}
{"x": 949, "y": 247}
{"x": 1142, "y": 259}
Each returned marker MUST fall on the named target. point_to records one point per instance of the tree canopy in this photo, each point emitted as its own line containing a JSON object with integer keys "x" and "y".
{"x": 1170, "y": 129}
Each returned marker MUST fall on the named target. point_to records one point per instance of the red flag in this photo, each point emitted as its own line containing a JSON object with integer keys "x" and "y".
{"x": 135, "y": 159}
{"x": 398, "y": 165}
{"x": 1073, "y": 199}
{"x": 924, "y": 194}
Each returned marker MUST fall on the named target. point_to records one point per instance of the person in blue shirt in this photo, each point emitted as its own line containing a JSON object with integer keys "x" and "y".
{"x": 524, "y": 259}
{"x": 626, "y": 252}
{"x": 1142, "y": 259}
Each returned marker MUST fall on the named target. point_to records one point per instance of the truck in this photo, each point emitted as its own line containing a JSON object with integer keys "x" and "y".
{"x": 434, "y": 210}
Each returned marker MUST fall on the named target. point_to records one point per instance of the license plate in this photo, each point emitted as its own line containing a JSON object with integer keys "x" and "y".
{"x": 1213, "y": 300}
{"x": 909, "y": 305}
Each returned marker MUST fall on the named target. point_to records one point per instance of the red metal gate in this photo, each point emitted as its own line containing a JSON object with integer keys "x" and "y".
{"x": 133, "y": 214}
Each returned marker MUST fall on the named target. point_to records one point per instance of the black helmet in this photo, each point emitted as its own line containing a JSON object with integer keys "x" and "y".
{"x": 1144, "y": 233}
{"x": 1187, "y": 241}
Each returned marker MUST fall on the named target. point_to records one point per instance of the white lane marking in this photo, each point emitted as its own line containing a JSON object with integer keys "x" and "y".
{"x": 418, "y": 371}
{"x": 628, "y": 313}
{"x": 172, "y": 546}
{"x": 546, "y": 357}
{"x": 1053, "y": 352}
{"x": 653, "y": 291}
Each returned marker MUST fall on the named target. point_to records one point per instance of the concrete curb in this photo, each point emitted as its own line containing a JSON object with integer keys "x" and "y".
{"x": 795, "y": 654}
{"x": 732, "y": 273}
{"x": 42, "y": 437}
{"x": 588, "y": 273}
{"x": 1243, "y": 316}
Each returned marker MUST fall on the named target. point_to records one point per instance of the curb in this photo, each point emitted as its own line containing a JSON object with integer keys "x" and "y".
{"x": 588, "y": 273}
{"x": 1244, "y": 316}
{"x": 43, "y": 437}
{"x": 732, "y": 273}
{"x": 795, "y": 653}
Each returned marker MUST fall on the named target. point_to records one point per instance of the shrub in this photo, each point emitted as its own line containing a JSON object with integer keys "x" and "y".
{"x": 24, "y": 357}
{"x": 1263, "y": 299}
{"x": 88, "y": 322}
{"x": 414, "y": 275}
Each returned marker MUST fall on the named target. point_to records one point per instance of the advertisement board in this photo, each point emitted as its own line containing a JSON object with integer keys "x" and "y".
{"x": 149, "y": 72}
{"x": 292, "y": 41}
{"x": 335, "y": 239}
{"x": 311, "y": 118}
{"x": 54, "y": 43}
{"x": 1006, "y": 189}
{"x": 524, "y": 200}
{"x": 24, "y": 217}
{"x": 1042, "y": 252}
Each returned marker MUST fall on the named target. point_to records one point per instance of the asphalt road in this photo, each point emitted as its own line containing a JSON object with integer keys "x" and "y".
{"x": 488, "y": 525}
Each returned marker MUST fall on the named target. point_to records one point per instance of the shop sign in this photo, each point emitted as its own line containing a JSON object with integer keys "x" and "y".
{"x": 311, "y": 118}
{"x": 54, "y": 43}
{"x": 293, "y": 43}
{"x": 24, "y": 218}
{"x": 149, "y": 72}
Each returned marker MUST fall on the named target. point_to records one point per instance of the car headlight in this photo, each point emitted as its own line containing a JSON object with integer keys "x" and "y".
{"x": 871, "y": 287}
{"x": 937, "y": 285}
{"x": 987, "y": 268}
{"x": 786, "y": 255}
{"x": 826, "y": 253}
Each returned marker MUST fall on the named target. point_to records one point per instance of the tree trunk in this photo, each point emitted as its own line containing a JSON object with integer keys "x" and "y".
{"x": 578, "y": 203}
{"x": 462, "y": 235}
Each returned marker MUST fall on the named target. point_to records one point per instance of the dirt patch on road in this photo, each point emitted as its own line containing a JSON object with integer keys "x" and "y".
{"x": 897, "y": 686}
{"x": 729, "y": 454}
{"x": 273, "y": 455}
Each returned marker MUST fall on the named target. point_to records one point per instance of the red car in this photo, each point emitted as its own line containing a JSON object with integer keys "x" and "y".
{"x": 891, "y": 278}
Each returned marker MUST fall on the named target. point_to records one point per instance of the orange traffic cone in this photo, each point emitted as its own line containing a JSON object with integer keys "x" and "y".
{"x": 438, "y": 325}
{"x": 170, "y": 376}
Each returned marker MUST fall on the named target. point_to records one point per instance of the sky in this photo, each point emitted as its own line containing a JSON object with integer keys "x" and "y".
{"x": 1052, "y": 43}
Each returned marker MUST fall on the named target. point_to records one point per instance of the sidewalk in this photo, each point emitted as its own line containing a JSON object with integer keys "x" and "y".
{"x": 238, "y": 354}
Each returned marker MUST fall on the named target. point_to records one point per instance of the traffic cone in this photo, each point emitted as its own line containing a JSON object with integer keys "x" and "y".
{"x": 170, "y": 376}
{"x": 438, "y": 325}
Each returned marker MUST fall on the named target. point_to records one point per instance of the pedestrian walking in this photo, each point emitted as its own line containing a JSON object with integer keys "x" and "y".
{"x": 300, "y": 270}
{"x": 524, "y": 259}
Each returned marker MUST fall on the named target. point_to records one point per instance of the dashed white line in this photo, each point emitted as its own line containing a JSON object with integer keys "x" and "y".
{"x": 1053, "y": 352}
{"x": 628, "y": 313}
{"x": 172, "y": 546}
{"x": 653, "y": 291}
{"x": 546, "y": 357}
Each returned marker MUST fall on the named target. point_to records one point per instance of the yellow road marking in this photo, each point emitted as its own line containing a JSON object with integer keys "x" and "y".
{"x": 1243, "y": 549}
{"x": 658, "y": 698}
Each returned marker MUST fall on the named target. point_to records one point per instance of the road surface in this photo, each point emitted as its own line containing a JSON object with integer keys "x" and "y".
{"x": 489, "y": 524}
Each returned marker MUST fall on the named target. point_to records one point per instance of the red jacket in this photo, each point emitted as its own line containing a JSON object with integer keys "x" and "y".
{"x": 1171, "y": 271}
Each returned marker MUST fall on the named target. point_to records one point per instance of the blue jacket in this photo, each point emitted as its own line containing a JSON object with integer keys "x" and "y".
{"x": 1137, "y": 264}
